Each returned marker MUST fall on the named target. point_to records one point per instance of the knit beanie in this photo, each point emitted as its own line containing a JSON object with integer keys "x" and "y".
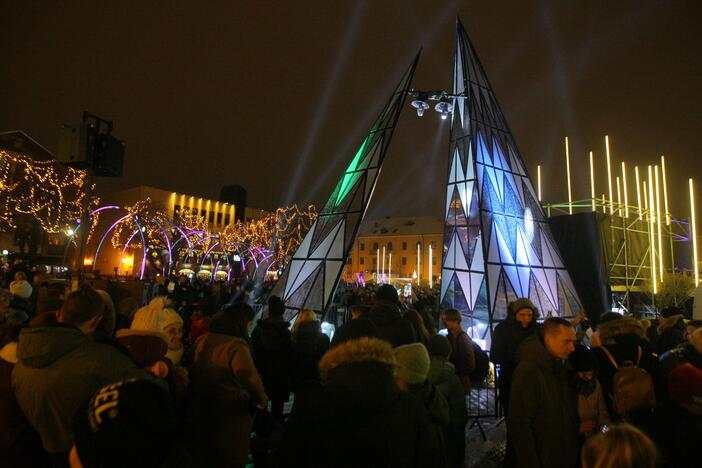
{"x": 21, "y": 288}
{"x": 412, "y": 363}
{"x": 685, "y": 385}
{"x": 129, "y": 423}
{"x": 155, "y": 317}
{"x": 439, "y": 346}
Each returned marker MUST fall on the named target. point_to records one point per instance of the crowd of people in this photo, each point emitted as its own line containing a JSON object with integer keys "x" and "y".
{"x": 193, "y": 378}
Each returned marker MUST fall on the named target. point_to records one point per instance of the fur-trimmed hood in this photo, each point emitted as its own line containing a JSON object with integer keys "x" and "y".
{"x": 625, "y": 326}
{"x": 674, "y": 321}
{"x": 353, "y": 351}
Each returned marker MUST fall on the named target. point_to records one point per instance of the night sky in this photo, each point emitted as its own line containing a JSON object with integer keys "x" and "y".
{"x": 277, "y": 95}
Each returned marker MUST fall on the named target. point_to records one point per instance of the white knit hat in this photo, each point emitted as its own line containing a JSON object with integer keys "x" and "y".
{"x": 21, "y": 288}
{"x": 155, "y": 317}
{"x": 412, "y": 363}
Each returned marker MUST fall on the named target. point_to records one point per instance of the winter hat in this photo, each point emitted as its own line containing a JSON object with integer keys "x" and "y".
{"x": 685, "y": 385}
{"x": 670, "y": 311}
{"x": 355, "y": 329}
{"x": 386, "y": 293}
{"x": 356, "y": 351}
{"x": 582, "y": 359}
{"x": 21, "y": 288}
{"x": 412, "y": 363}
{"x": 610, "y": 316}
{"x": 146, "y": 348}
{"x": 439, "y": 346}
{"x": 155, "y": 317}
{"x": 129, "y": 423}
{"x": 519, "y": 304}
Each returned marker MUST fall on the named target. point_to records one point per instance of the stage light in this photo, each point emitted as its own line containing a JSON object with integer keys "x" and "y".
{"x": 609, "y": 176}
{"x": 693, "y": 234}
{"x": 626, "y": 193}
{"x": 592, "y": 180}
{"x": 5, "y": 252}
{"x": 665, "y": 192}
{"x": 659, "y": 221}
{"x": 421, "y": 106}
{"x": 638, "y": 191}
{"x": 570, "y": 195}
{"x": 70, "y": 232}
{"x": 444, "y": 107}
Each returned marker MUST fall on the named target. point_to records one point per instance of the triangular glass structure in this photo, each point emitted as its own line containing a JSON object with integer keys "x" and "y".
{"x": 316, "y": 266}
{"x": 509, "y": 225}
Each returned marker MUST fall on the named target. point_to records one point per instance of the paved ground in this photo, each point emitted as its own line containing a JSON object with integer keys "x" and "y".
{"x": 488, "y": 452}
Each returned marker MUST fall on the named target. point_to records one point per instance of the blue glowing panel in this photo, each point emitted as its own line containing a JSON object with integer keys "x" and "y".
{"x": 502, "y": 219}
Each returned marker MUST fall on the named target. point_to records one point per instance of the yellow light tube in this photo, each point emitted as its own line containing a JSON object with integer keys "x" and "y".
{"x": 419, "y": 263}
{"x": 619, "y": 198}
{"x": 652, "y": 236}
{"x": 665, "y": 192}
{"x": 638, "y": 191}
{"x": 604, "y": 204}
{"x": 626, "y": 193}
{"x": 660, "y": 222}
{"x": 538, "y": 180}
{"x": 430, "y": 253}
{"x": 609, "y": 176}
{"x": 383, "y": 274}
{"x": 693, "y": 234}
{"x": 570, "y": 195}
{"x": 592, "y": 180}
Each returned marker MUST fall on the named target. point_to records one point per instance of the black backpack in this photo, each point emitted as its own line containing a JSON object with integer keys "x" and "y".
{"x": 482, "y": 364}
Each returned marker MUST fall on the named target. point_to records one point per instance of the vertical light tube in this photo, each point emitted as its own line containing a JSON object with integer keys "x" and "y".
{"x": 693, "y": 234}
{"x": 609, "y": 176}
{"x": 377, "y": 266}
{"x": 430, "y": 278}
{"x": 419, "y": 262}
{"x": 626, "y": 193}
{"x": 645, "y": 196}
{"x": 660, "y": 222}
{"x": 665, "y": 192}
{"x": 638, "y": 191}
{"x": 570, "y": 195}
{"x": 592, "y": 180}
{"x": 390, "y": 268}
{"x": 538, "y": 180}
{"x": 604, "y": 204}
{"x": 383, "y": 263}
{"x": 652, "y": 237}
{"x": 619, "y": 198}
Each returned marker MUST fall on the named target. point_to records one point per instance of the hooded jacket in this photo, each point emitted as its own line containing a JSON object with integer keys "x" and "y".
{"x": 542, "y": 419}
{"x": 308, "y": 345}
{"x": 506, "y": 338}
{"x": 443, "y": 375}
{"x": 359, "y": 417}
{"x": 272, "y": 354}
{"x": 392, "y": 327}
{"x": 670, "y": 334}
{"x": 58, "y": 369}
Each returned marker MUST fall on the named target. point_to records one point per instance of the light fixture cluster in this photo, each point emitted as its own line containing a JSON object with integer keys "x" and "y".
{"x": 444, "y": 101}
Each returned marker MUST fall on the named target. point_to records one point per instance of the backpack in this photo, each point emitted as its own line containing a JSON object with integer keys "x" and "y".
{"x": 632, "y": 386}
{"x": 482, "y": 364}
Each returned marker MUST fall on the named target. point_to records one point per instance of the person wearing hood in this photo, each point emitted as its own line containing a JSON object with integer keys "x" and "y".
{"x": 359, "y": 417}
{"x": 385, "y": 315}
{"x": 592, "y": 409}
{"x": 624, "y": 338}
{"x": 272, "y": 349}
{"x": 59, "y": 367}
{"x": 308, "y": 345}
{"x": 670, "y": 332}
{"x": 506, "y": 338}
{"x": 542, "y": 419}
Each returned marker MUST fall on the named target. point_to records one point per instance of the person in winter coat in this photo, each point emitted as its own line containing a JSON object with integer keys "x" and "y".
{"x": 592, "y": 409}
{"x": 411, "y": 375}
{"x": 158, "y": 316}
{"x": 623, "y": 337}
{"x": 443, "y": 375}
{"x": 359, "y": 417}
{"x": 462, "y": 354}
{"x": 20, "y": 444}
{"x": 542, "y": 419}
{"x": 359, "y": 326}
{"x": 225, "y": 389}
{"x": 59, "y": 367}
{"x": 385, "y": 315}
{"x": 670, "y": 332}
{"x": 506, "y": 338}
{"x": 308, "y": 345}
{"x": 272, "y": 351}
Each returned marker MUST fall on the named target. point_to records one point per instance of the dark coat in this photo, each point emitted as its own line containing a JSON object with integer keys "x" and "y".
{"x": 506, "y": 338}
{"x": 272, "y": 351}
{"x": 621, "y": 337}
{"x": 355, "y": 329}
{"x": 543, "y": 417}
{"x": 443, "y": 375}
{"x": 358, "y": 418}
{"x": 308, "y": 345}
{"x": 439, "y": 417}
{"x": 59, "y": 368}
{"x": 392, "y": 327}
{"x": 670, "y": 335}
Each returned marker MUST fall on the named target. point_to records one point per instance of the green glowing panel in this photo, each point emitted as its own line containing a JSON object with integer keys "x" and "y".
{"x": 351, "y": 174}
